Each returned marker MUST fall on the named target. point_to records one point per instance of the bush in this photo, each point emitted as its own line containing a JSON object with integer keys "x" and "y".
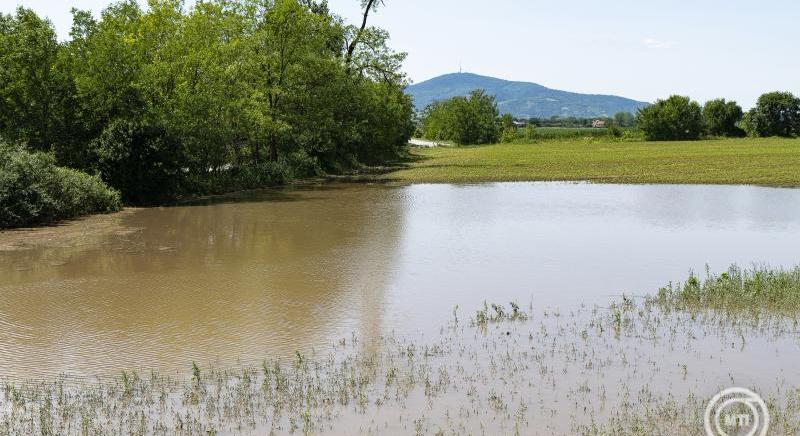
{"x": 33, "y": 190}
{"x": 722, "y": 118}
{"x": 775, "y": 114}
{"x": 529, "y": 132}
{"x": 614, "y": 131}
{"x": 674, "y": 119}
{"x": 241, "y": 178}
{"x": 509, "y": 135}
{"x": 143, "y": 161}
{"x": 300, "y": 164}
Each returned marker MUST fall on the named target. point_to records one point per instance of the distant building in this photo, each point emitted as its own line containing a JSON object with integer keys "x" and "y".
{"x": 598, "y": 124}
{"x": 520, "y": 124}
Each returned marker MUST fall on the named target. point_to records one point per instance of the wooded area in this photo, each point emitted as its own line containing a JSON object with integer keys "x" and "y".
{"x": 229, "y": 94}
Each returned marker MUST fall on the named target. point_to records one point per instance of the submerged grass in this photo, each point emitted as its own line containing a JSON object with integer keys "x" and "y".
{"x": 638, "y": 367}
{"x": 757, "y": 161}
{"x": 758, "y": 288}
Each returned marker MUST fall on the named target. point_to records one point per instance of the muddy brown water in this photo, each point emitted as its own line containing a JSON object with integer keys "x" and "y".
{"x": 273, "y": 272}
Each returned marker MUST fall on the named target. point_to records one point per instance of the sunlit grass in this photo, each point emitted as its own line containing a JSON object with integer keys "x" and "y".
{"x": 758, "y": 288}
{"x": 761, "y": 161}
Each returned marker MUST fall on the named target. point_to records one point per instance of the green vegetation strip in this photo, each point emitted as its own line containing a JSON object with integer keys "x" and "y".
{"x": 757, "y": 161}
{"x": 775, "y": 290}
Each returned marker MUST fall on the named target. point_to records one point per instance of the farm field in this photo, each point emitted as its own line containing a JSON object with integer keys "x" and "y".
{"x": 756, "y": 161}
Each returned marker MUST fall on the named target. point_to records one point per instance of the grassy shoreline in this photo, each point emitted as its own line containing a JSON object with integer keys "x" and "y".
{"x": 750, "y": 161}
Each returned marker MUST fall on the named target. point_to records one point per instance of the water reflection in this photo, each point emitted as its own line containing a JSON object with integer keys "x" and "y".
{"x": 282, "y": 270}
{"x": 237, "y": 280}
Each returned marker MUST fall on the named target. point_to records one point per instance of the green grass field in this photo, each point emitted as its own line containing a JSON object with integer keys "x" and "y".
{"x": 763, "y": 161}
{"x": 546, "y": 133}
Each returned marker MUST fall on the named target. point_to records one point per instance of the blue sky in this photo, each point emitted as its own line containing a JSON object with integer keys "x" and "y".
{"x": 642, "y": 49}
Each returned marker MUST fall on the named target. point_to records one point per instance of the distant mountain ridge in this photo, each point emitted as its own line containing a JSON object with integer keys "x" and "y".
{"x": 522, "y": 99}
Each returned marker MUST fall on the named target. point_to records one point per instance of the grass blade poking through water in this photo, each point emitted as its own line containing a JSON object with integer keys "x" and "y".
{"x": 759, "y": 288}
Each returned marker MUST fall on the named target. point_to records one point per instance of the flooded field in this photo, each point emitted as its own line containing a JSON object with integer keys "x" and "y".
{"x": 357, "y": 308}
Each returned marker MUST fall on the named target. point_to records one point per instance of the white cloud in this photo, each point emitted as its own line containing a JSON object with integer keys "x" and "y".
{"x": 657, "y": 44}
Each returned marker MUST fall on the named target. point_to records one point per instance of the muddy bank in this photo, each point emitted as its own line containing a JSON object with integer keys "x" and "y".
{"x": 81, "y": 231}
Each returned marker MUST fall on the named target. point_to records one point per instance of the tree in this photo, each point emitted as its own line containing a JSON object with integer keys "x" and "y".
{"x": 722, "y": 117}
{"x": 367, "y": 7}
{"x": 224, "y": 94}
{"x": 624, "y": 119}
{"x": 775, "y": 114}
{"x": 28, "y": 85}
{"x": 676, "y": 118}
{"x": 465, "y": 120}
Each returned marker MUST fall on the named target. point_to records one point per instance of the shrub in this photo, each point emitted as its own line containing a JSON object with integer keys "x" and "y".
{"x": 33, "y": 190}
{"x": 633, "y": 135}
{"x": 300, "y": 164}
{"x": 614, "y": 131}
{"x": 240, "y": 178}
{"x": 143, "y": 161}
{"x": 509, "y": 135}
{"x": 676, "y": 118}
{"x": 529, "y": 132}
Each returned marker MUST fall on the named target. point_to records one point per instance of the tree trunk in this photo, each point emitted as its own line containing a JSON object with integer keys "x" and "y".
{"x": 352, "y": 47}
{"x": 273, "y": 151}
{"x": 256, "y": 153}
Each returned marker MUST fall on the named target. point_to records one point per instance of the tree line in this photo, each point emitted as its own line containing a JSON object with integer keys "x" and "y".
{"x": 680, "y": 118}
{"x": 475, "y": 120}
{"x": 166, "y": 101}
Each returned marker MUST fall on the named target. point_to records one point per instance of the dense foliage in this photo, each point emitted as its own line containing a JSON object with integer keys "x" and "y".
{"x": 624, "y": 119}
{"x": 775, "y": 114}
{"x": 676, "y": 118}
{"x": 34, "y": 190}
{"x": 722, "y": 118}
{"x": 166, "y": 101}
{"x": 144, "y": 162}
{"x": 464, "y": 120}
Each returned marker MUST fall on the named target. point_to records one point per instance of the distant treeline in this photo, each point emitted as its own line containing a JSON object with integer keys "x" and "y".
{"x": 681, "y": 118}
{"x": 230, "y": 94}
{"x": 620, "y": 119}
{"x": 475, "y": 120}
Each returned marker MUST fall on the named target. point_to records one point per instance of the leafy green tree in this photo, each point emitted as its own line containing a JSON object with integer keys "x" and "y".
{"x": 624, "y": 119}
{"x": 110, "y": 55}
{"x": 465, "y": 120}
{"x": 168, "y": 100}
{"x": 722, "y": 118}
{"x": 676, "y": 118}
{"x": 28, "y": 84}
{"x": 775, "y": 114}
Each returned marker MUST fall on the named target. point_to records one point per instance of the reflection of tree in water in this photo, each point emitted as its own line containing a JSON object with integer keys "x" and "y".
{"x": 241, "y": 279}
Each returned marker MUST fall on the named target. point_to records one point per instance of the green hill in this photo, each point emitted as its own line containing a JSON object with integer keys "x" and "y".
{"x": 522, "y": 99}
